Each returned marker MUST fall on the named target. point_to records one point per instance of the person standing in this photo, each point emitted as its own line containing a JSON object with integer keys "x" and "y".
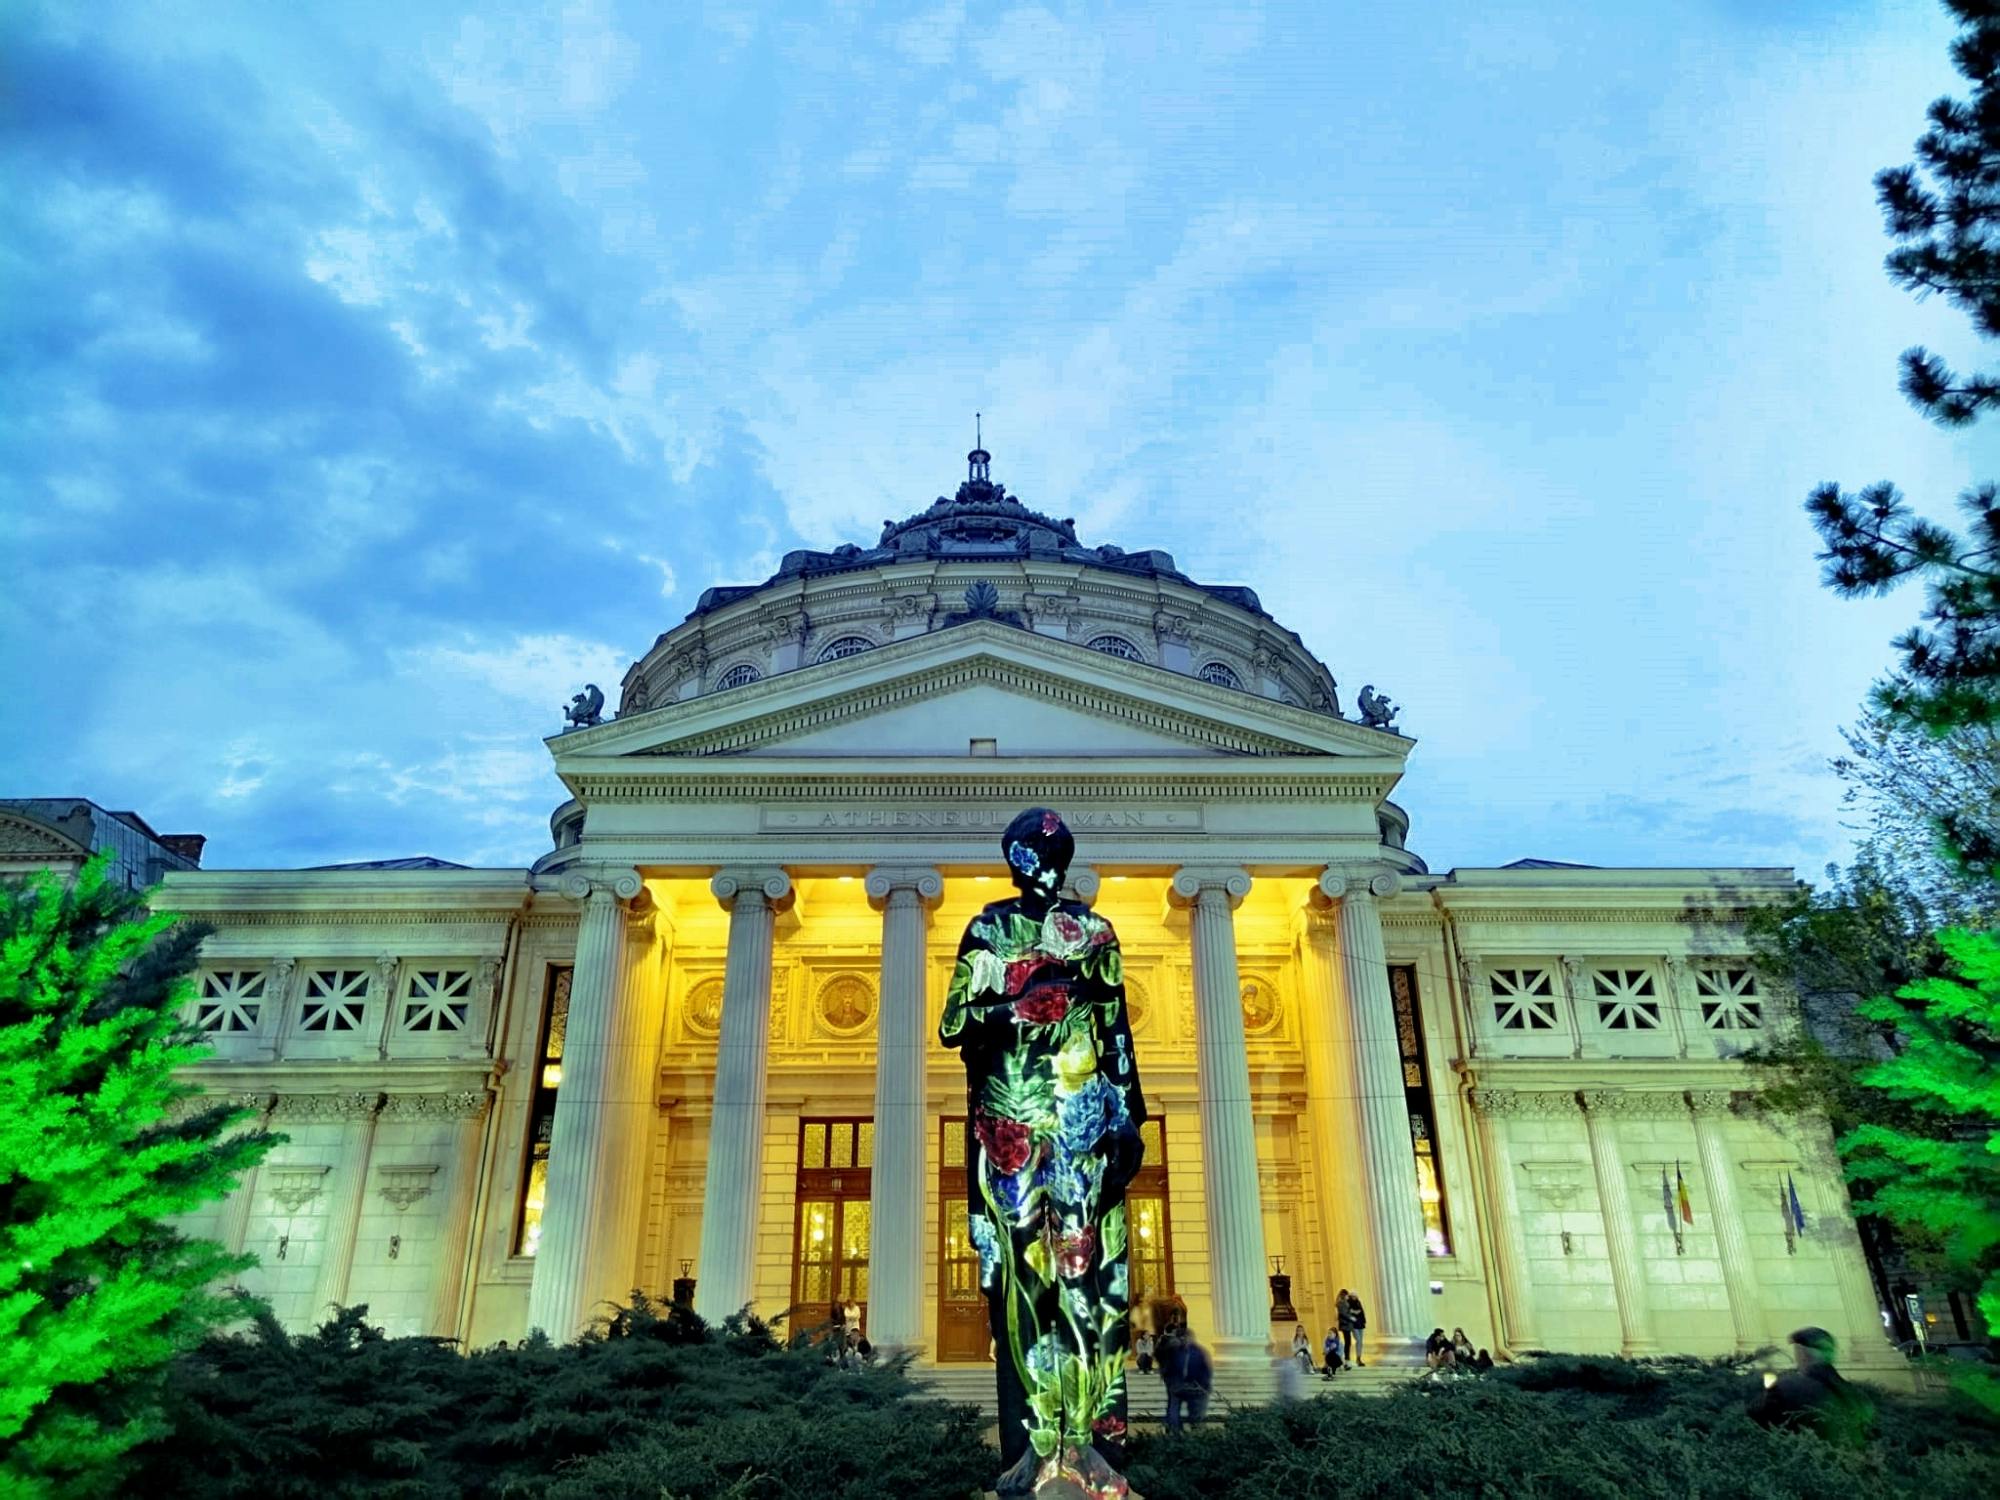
{"x": 1814, "y": 1397}
{"x": 1189, "y": 1377}
{"x": 1353, "y": 1324}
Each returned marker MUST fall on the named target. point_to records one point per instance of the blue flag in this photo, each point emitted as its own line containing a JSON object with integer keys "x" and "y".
{"x": 1798, "y": 1213}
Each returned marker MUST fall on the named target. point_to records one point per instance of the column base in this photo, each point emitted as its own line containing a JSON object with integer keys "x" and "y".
{"x": 1638, "y": 1349}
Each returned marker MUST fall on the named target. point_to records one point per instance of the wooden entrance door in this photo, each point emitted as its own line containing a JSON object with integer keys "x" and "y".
{"x": 963, "y": 1336}
{"x": 831, "y": 1241}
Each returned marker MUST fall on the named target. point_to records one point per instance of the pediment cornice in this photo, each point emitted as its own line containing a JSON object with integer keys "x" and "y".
{"x": 764, "y": 713}
{"x": 24, "y": 835}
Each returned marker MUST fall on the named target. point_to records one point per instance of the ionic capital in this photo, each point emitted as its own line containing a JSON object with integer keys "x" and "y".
{"x": 1083, "y": 883}
{"x": 1192, "y": 882}
{"x": 610, "y": 882}
{"x": 1339, "y": 883}
{"x": 884, "y": 881}
{"x": 1495, "y": 1101}
{"x": 763, "y": 883}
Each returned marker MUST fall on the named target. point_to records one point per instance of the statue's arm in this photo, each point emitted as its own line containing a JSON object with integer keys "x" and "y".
{"x": 1118, "y": 1059}
{"x": 973, "y": 1013}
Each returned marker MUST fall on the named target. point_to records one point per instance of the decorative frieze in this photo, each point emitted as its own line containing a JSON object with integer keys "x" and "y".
{"x": 345, "y": 1106}
{"x": 1638, "y": 1104}
{"x": 457, "y": 1104}
{"x": 1712, "y": 1101}
{"x": 1525, "y": 1103}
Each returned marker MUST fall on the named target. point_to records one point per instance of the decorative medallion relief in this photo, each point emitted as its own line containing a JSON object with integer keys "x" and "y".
{"x": 702, "y": 1011}
{"x": 845, "y": 1005}
{"x": 1261, "y": 1006}
{"x": 1138, "y": 1005}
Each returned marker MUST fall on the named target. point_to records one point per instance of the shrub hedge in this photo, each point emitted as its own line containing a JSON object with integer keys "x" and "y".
{"x": 1567, "y": 1427}
{"x": 658, "y": 1405}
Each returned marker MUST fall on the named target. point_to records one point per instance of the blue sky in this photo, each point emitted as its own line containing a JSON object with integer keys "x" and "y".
{"x": 373, "y": 374}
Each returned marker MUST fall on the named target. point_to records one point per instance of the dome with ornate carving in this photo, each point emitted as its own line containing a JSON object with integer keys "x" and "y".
{"x": 979, "y": 554}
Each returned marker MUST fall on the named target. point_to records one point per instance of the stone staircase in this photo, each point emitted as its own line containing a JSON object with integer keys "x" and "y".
{"x": 1146, "y": 1395}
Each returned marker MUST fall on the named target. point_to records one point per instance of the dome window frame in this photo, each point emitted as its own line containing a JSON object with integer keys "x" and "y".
{"x": 735, "y": 677}
{"x": 843, "y": 646}
{"x": 1116, "y": 646}
{"x": 1220, "y": 674}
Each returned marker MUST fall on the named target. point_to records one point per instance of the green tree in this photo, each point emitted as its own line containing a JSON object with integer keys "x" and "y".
{"x": 97, "y": 1292}
{"x": 1943, "y": 1179}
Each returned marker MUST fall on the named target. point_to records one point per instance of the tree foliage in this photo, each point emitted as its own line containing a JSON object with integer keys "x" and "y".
{"x": 97, "y": 1292}
{"x": 654, "y": 1403}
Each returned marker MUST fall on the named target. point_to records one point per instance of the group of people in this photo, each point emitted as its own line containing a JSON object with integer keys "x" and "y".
{"x": 1455, "y": 1355}
{"x": 1184, "y": 1367}
{"x": 846, "y": 1345}
{"x": 1341, "y": 1346}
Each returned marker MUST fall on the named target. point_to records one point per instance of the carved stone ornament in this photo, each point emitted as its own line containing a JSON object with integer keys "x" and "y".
{"x": 1556, "y": 1183}
{"x": 1137, "y": 1004}
{"x": 884, "y": 881}
{"x": 773, "y": 886}
{"x": 385, "y": 976}
{"x": 402, "y": 1186}
{"x": 845, "y": 1004}
{"x": 585, "y": 709}
{"x": 1172, "y": 627}
{"x": 1546, "y": 1104}
{"x": 1191, "y": 883}
{"x": 354, "y": 1106}
{"x": 613, "y": 884}
{"x": 459, "y": 1104}
{"x": 1377, "y": 712}
{"x": 292, "y": 1187}
{"x": 703, "y": 1011}
{"x": 1712, "y": 1101}
{"x": 1634, "y": 1104}
{"x": 1495, "y": 1102}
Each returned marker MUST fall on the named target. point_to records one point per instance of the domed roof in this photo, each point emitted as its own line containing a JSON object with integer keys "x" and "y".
{"x": 980, "y": 523}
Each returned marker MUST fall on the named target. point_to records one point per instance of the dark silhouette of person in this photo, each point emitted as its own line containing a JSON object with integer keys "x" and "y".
{"x": 1814, "y": 1397}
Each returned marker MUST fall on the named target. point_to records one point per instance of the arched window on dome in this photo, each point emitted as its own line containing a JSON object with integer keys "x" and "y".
{"x": 1118, "y": 646}
{"x": 1221, "y": 674}
{"x": 847, "y": 645}
{"x": 740, "y": 675}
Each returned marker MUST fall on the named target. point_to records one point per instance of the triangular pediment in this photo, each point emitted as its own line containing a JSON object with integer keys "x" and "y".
{"x": 933, "y": 694}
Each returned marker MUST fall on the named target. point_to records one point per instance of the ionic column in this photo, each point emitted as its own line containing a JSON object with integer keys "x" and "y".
{"x": 1228, "y": 1131}
{"x": 1395, "y": 1212}
{"x": 358, "y": 1114}
{"x": 726, "y": 1269}
{"x": 899, "y": 1181}
{"x": 1601, "y": 1107}
{"x": 467, "y": 1111}
{"x": 563, "y": 1295}
{"x": 1330, "y": 1105}
{"x": 1492, "y": 1107}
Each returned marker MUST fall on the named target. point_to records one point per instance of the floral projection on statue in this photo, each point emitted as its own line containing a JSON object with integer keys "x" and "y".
{"x": 1036, "y": 1007}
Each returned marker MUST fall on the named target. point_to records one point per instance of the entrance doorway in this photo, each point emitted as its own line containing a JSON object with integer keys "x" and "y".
{"x": 830, "y": 1246}
{"x": 963, "y": 1335}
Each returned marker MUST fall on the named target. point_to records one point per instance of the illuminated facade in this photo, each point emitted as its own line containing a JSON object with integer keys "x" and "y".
{"x": 698, "y": 1036}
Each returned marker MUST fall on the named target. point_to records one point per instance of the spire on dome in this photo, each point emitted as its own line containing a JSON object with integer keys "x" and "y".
{"x": 978, "y": 459}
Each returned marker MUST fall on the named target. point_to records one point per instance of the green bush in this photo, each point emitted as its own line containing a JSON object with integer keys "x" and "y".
{"x": 1568, "y": 1427}
{"x": 657, "y": 1405}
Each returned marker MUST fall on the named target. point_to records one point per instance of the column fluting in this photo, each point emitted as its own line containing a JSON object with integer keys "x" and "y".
{"x": 1493, "y": 1107}
{"x": 726, "y": 1269}
{"x": 1739, "y": 1267}
{"x": 1601, "y": 1107}
{"x": 467, "y": 1112}
{"x": 1395, "y": 1213}
{"x": 1235, "y": 1210}
{"x": 358, "y": 1113}
{"x": 563, "y": 1295}
{"x": 899, "y": 1180}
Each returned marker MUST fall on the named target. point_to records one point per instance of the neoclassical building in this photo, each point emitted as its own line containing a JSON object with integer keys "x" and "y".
{"x": 697, "y": 1039}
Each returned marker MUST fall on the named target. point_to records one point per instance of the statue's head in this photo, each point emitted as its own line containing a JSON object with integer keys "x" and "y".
{"x": 1038, "y": 847}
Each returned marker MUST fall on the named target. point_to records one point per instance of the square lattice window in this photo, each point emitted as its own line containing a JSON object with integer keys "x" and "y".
{"x": 438, "y": 1000}
{"x": 1523, "y": 999}
{"x": 334, "y": 1000}
{"x": 1626, "y": 999}
{"x": 230, "y": 1000}
{"x": 1729, "y": 998}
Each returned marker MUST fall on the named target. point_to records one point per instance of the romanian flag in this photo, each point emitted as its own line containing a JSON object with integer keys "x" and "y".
{"x": 1796, "y": 1213}
{"x": 1681, "y": 1195}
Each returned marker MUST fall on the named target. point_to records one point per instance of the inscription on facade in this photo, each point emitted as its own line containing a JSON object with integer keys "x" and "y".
{"x": 840, "y": 818}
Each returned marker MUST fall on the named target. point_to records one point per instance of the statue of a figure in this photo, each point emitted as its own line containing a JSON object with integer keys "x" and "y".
{"x": 1377, "y": 712}
{"x": 1053, "y": 1105}
{"x": 586, "y": 708}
